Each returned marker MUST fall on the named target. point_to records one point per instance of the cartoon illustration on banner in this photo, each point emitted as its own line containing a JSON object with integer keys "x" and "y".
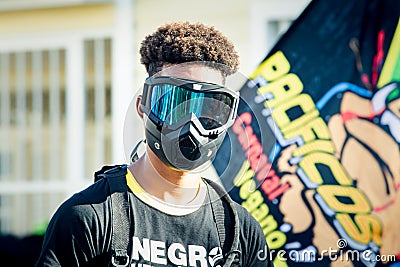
{"x": 316, "y": 142}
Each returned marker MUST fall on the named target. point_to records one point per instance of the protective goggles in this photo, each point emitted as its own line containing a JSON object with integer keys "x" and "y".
{"x": 171, "y": 101}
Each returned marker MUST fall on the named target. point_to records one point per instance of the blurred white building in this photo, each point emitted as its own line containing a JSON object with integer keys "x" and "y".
{"x": 68, "y": 71}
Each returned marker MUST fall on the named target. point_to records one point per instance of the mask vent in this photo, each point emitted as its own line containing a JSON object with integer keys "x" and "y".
{"x": 189, "y": 148}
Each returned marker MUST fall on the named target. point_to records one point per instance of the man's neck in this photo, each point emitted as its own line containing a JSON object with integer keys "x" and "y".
{"x": 167, "y": 184}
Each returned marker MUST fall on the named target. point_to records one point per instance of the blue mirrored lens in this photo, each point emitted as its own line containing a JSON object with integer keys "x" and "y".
{"x": 170, "y": 104}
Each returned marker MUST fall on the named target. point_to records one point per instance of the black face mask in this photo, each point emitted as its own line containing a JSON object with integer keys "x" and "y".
{"x": 187, "y": 120}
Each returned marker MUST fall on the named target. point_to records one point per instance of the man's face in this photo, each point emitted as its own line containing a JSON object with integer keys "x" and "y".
{"x": 188, "y": 110}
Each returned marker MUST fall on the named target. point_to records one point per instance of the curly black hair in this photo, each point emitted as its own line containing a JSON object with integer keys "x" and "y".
{"x": 181, "y": 42}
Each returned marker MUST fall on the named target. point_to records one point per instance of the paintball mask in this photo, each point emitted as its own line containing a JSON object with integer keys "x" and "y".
{"x": 187, "y": 119}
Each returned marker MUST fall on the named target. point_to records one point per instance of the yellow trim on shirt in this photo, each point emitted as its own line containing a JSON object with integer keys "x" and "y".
{"x": 177, "y": 210}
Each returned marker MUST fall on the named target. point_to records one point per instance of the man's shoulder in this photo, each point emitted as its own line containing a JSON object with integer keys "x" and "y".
{"x": 245, "y": 218}
{"x": 243, "y": 213}
{"x": 97, "y": 192}
{"x": 247, "y": 221}
{"x": 87, "y": 202}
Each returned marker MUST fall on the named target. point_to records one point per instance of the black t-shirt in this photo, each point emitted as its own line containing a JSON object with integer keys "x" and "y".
{"x": 79, "y": 234}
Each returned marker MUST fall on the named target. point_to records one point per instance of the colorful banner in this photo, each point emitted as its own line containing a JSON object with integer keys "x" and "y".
{"x": 314, "y": 154}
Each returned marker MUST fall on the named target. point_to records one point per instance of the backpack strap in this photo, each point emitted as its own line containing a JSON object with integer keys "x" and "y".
{"x": 120, "y": 210}
{"x": 223, "y": 217}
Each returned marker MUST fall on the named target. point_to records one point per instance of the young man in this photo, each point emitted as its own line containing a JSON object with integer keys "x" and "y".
{"x": 176, "y": 218}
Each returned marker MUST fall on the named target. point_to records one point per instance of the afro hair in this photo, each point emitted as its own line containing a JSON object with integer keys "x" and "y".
{"x": 181, "y": 42}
